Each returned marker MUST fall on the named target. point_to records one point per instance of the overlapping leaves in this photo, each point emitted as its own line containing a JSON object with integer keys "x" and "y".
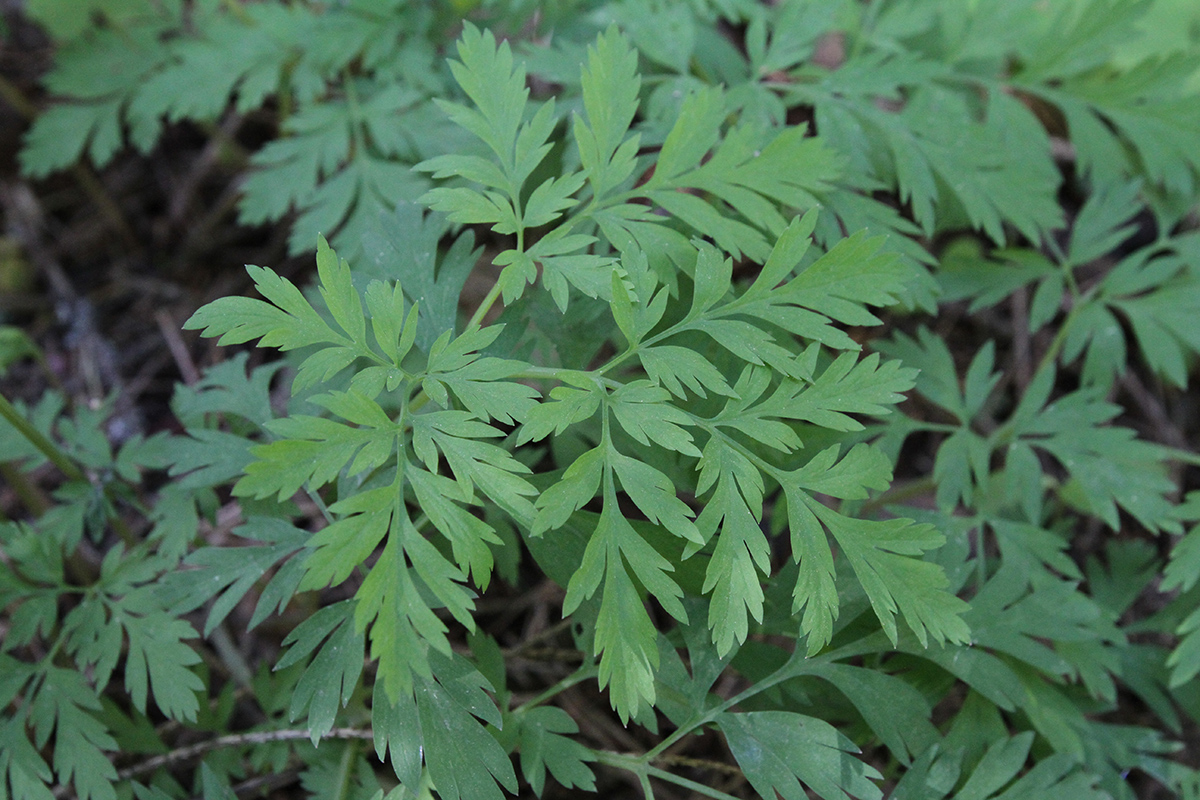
{"x": 395, "y": 456}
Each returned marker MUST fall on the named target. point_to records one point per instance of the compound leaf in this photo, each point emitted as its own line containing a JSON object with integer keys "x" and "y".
{"x": 778, "y": 750}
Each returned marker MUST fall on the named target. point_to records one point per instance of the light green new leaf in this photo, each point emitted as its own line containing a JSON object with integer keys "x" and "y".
{"x": 482, "y": 388}
{"x": 856, "y": 272}
{"x": 570, "y": 405}
{"x": 847, "y": 386}
{"x": 313, "y": 451}
{"x": 625, "y": 637}
{"x": 645, "y": 412}
{"x": 564, "y": 266}
{"x": 288, "y": 321}
{"x": 474, "y": 463}
{"x": 675, "y": 368}
{"x": 610, "y": 84}
{"x": 744, "y": 173}
{"x": 863, "y": 467}
{"x": 394, "y": 331}
{"x": 474, "y": 208}
{"x": 339, "y": 293}
{"x": 551, "y": 197}
{"x": 469, "y": 536}
{"x": 742, "y": 550}
{"x": 694, "y": 133}
{"x": 579, "y": 484}
{"x": 654, "y": 494}
{"x": 885, "y": 557}
{"x": 405, "y": 628}
{"x": 340, "y": 547}
{"x": 497, "y": 88}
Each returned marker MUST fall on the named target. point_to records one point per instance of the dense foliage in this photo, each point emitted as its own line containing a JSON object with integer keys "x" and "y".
{"x": 801, "y": 372}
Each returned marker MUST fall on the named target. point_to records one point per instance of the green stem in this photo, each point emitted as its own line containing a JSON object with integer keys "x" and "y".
{"x": 1004, "y": 434}
{"x": 698, "y": 788}
{"x": 898, "y": 494}
{"x": 638, "y": 766}
{"x": 33, "y": 498}
{"x": 355, "y": 108}
{"x": 238, "y": 11}
{"x": 233, "y": 740}
{"x": 578, "y": 676}
{"x": 35, "y": 437}
{"x": 493, "y": 294}
{"x": 66, "y": 465}
{"x": 796, "y": 665}
{"x": 485, "y": 306}
{"x": 630, "y": 763}
{"x": 232, "y": 657}
{"x": 869, "y": 19}
{"x": 17, "y": 99}
{"x": 346, "y": 768}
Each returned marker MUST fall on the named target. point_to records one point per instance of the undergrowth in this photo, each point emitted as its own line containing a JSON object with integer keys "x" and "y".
{"x": 747, "y": 265}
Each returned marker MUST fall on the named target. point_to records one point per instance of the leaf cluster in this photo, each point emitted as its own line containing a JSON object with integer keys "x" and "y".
{"x": 687, "y": 402}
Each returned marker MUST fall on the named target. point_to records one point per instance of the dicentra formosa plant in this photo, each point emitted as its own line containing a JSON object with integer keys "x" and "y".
{"x": 631, "y": 415}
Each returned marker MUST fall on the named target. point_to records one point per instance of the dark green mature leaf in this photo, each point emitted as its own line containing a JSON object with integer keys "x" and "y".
{"x": 895, "y": 711}
{"x": 228, "y": 573}
{"x": 464, "y": 759}
{"x": 23, "y": 772}
{"x": 404, "y": 247}
{"x": 1109, "y": 465}
{"x": 66, "y": 704}
{"x": 692, "y": 387}
{"x": 1011, "y": 616}
{"x": 325, "y": 169}
{"x": 1156, "y": 293}
{"x": 941, "y": 150}
{"x": 158, "y": 659}
{"x": 334, "y": 672}
{"x": 777, "y": 750}
{"x": 544, "y": 747}
{"x": 101, "y": 77}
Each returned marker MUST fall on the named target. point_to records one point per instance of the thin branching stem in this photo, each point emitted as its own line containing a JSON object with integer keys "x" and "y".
{"x": 183, "y": 754}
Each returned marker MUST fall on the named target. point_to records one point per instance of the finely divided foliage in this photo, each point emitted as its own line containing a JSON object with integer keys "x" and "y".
{"x": 621, "y": 402}
{"x": 672, "y": 399}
